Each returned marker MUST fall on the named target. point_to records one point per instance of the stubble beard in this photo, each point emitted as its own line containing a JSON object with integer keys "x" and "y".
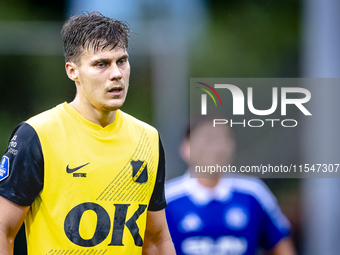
{"x": 109, "y": 108}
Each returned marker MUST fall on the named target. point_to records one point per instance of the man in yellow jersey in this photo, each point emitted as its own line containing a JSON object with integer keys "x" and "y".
{"x": 86, "y": 177}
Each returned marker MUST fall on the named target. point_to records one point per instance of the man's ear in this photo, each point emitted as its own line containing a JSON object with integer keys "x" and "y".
{"x": 71, "y": 71}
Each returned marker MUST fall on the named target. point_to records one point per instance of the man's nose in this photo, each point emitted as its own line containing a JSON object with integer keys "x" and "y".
{"x": 115, "y": 73}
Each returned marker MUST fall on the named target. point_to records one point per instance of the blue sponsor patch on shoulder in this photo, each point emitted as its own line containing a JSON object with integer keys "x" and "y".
{"x": 4, "y": 168}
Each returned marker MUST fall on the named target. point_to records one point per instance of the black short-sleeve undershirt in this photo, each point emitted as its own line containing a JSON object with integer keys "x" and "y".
{"x": 157, "y": 201}
{"x": 26, "y": 166}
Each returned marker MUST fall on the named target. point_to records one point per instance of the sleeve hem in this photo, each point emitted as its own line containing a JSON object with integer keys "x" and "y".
{"x": 158, "y": 207}
{"x": 279, "y": 239}
{"x": 15, "y": 199}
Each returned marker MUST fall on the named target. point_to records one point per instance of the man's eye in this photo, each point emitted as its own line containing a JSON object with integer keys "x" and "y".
{"x": 101, "y": 64}
{"x": 122, "y": 61}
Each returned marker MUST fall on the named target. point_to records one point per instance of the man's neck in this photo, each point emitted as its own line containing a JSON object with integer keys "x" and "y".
{"x": 208, "y": 182}
{"x": 92, "y": 114}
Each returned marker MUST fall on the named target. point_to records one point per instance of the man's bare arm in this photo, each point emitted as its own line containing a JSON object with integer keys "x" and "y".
{"x": 284, "y": 247}
{"x": 11, "y": 219}
{"x": 157, "y": 240}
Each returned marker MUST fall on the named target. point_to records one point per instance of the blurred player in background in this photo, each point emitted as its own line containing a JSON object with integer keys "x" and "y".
{"x": 85, "y": 176}
{"x": 222, "y": 216}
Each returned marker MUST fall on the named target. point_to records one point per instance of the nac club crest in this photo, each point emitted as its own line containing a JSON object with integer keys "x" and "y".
{"x": 139, "y": 171}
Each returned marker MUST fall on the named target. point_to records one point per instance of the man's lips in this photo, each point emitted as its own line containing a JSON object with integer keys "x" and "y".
{"x": 116, "y": 91}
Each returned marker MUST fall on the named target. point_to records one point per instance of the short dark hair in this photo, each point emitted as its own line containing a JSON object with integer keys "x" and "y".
{"x": 92, "y": 30}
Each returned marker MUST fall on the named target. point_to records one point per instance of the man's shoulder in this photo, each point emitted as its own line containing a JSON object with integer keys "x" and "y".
{"x": 251, "y": 186}
{"x": 45, "y": 119}
{"x": 256, "y": 189}
{"x": 136, "y": 123}
{"x": 176, "y": 188}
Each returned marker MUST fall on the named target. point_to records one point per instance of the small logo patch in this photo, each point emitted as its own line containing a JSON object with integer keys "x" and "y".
{"x": 191, "y": 222}
{"x": 4, "y": 168}
{"x": 139, "y": 171}
{"x": 71, "y": 170}
{"x": 237, "y": 218}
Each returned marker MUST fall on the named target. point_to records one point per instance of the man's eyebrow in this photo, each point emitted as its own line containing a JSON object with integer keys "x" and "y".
{"x": 100, "y": 60}
{"x": 124, "y": 56}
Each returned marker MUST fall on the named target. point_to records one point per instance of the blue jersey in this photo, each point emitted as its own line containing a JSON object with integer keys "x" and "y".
{"x": 236, "y": 217}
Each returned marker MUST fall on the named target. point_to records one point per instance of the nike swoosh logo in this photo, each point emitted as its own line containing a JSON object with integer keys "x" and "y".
{"x": 71, "y": 170}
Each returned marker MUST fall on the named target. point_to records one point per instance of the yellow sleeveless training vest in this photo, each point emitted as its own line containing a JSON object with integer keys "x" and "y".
{"x": 97, "y": 184}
